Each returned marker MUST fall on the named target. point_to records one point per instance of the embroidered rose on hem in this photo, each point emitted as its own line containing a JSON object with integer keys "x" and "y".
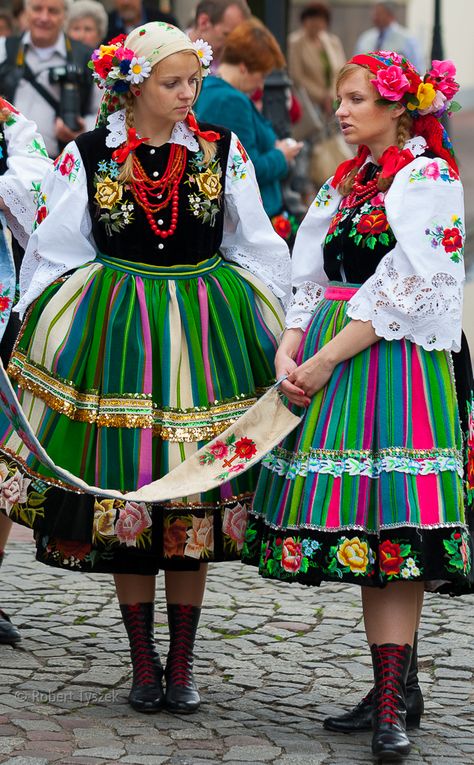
{"x": 354, "y": 554}
{"x": 104, "y": 518}
{"x": 174, "y": 537}
{"x": 234, "y": 523}
{"x": 200, "y": 537}
{"x": 132, "y": 522}
{"x": 291, "y": 555}
{"x": 390, "y": 558}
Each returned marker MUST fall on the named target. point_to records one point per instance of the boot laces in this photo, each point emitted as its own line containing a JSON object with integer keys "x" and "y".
{"x": 145, "y": 660}
{"x": 389, "y": 683}
{"x": 180, "y": 659}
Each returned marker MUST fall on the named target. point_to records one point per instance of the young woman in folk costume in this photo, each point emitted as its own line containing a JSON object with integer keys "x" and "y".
{"x": 23, "y": 163}
{"x": 371, "y": 487}
{"x": 154, "y": 275}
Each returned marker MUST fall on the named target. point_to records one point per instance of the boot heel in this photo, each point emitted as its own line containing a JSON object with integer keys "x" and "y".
{"x": 413, "y": 721}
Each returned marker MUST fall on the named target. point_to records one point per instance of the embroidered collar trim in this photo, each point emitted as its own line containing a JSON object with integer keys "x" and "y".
{"x": 417, "y": 145}
{"x": 117, "y": 133}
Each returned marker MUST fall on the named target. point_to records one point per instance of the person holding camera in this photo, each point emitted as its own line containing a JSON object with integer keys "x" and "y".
{"x": 44, "y": 73}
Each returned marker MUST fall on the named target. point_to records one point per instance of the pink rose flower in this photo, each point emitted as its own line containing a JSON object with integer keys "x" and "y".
{"x": 443, "y": 69}
{"x": 200, "y": 537}
{"x": 391, "y": 83}
{"x": 431, "y": 171}
{"x": 219, "y": 450}
{"x": 132, "y": 521}
{"x": 448, "y": 87}
{"x": 391, "y": 55}
{"x": 234, "y": 523}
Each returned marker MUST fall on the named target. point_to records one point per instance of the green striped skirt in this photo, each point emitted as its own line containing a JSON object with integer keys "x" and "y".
{"x": 124, "y": 370}
{"x": 371, "y": 487}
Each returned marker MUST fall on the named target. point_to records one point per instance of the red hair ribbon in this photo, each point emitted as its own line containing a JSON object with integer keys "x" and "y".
{"x": 348, "y": 165}
{"x": 208, "y": 135}
{"x": 394, "y": 159}
{"x": 121, "y": 154}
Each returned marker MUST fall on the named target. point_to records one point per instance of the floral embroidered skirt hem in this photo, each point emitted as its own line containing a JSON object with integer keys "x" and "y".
{"x": 123, "y": 371}
{"x": 376, "y": 484}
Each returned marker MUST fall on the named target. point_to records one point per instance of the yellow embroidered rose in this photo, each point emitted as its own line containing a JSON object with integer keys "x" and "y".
{"x": 108, "y": 193}
{"x": 104, "y": 517}
{"x": 354, "y": 553}
{"x": 209, "y": 184}
{"x": 425, "y": 95}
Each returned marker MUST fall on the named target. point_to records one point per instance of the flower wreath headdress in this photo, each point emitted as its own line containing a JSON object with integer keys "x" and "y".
{"x": 426, "y": 98}
{"x": 126, "y": 61}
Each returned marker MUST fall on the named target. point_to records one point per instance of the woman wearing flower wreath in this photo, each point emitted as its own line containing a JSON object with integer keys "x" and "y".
{"x": 154, "y": 273}
{"x": 369, "y": 488}
{"x": 23, "y": 163}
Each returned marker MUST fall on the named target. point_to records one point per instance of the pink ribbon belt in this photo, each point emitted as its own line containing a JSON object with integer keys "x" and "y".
{"x": 339, "y": 293}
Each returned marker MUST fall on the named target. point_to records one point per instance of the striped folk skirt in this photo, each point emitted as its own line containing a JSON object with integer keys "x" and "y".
{"x": 124, "y": 370}
{"x": 374, "y": 486}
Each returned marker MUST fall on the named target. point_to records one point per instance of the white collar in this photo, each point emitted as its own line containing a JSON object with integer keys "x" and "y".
{"x": 44, "y": 53}
{"x": 417, "y": 145}
{"x": 117, "y": 133}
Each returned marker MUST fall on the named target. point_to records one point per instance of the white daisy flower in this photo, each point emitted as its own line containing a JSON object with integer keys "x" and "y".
{"x": 415, "y": 571}
{"x": 204, "y": 51}
{"x": 140, "y": 68}
{"x": 406, "y": 573}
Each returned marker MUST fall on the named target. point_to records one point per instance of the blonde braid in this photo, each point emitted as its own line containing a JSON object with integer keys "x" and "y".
{"x": 126, "y": 172}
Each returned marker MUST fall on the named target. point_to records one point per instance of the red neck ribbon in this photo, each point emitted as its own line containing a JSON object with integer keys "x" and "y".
{"x": 348, "y": 165}
{"x": 394, "y": 159}
{"x": 121, "y": 154}
{"x": 208, "y": 135}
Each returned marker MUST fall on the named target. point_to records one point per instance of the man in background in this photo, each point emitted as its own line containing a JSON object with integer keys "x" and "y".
{"x": 388, "y": 34}
{"x": 214, "y": 20}
{"x": 128, "y": 14}
{"x": 42, "y": 68}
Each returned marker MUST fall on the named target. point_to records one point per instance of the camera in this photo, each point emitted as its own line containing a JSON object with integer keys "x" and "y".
{"x": 69, "y": 77}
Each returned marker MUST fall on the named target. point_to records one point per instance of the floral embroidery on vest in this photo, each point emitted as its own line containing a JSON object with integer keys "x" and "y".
{"x": 116, "y": 212}
{"x": 205, "y": 202}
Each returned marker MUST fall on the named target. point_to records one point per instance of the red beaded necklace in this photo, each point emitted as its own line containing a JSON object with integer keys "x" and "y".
{"x": 147, "y": 192}
{"x": 362, "y": 191}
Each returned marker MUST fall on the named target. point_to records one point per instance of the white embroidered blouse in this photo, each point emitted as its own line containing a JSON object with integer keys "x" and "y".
{"x": 416, "y": 290}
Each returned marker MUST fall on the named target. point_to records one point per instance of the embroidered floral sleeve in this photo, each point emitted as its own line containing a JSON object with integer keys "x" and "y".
{"x": 416, "y": 291}
{"x": 62, "y": 238}
{"x": 27, "y": 163}
{"x": 249, "y": 238}
{"x": 308, "y": 278}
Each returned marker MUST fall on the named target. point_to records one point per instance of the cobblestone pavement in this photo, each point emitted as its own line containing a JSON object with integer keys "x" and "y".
{"x": 272, "y": 661}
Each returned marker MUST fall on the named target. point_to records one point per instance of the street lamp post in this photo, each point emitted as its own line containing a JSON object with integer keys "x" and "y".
{"x": 437, "y": 42}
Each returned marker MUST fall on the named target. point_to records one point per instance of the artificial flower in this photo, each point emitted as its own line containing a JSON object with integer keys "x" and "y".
{"x": 140, "y": 69}
{"x": 425, "y": 96}
{"x": 204, "y": 51}
{"x": 391, "y": 83}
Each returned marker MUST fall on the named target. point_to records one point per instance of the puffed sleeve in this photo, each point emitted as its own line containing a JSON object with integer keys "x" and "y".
{"x": 308, "y": 277}
{"x": 27, "y": 164}
{"x": 61, "y": 240}
{"x": 416, "y": 290}
{"x": 249, "y": 238}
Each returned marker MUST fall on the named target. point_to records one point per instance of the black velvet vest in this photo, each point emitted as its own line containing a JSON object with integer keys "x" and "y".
{"x": 119, "y": 225}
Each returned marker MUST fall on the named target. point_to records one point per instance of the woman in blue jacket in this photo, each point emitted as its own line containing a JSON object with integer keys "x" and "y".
{"x": 250, "y": 53}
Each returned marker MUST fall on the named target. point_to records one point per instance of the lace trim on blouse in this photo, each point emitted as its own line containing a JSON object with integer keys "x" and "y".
{"x": 117, "y": 133}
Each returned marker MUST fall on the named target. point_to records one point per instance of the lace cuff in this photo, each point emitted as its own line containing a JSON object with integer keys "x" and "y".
{"x": 425, "y": 310}
{"x": 19, "y": 212}
{"x": 275, "y": 273}
{"x": 302, "y": 305}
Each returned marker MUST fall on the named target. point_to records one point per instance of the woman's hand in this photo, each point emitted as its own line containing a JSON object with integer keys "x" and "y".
{"x": 313, "y": 375}
{"x": 289, "y": 147}
{"x": 285, "y": 365}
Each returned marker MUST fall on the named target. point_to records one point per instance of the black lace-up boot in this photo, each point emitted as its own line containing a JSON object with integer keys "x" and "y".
{"x": 181, "y": 693}
{"x": 9, "y": 634}
{"x": 146, "y": 694}
{"x": 391, "y": 662}
{"x": 360, "y": 717}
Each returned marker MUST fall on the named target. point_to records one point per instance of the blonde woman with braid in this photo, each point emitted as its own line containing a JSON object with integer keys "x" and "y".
{"x": 373, "y": 488}
{"x": 152, "y": 284}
